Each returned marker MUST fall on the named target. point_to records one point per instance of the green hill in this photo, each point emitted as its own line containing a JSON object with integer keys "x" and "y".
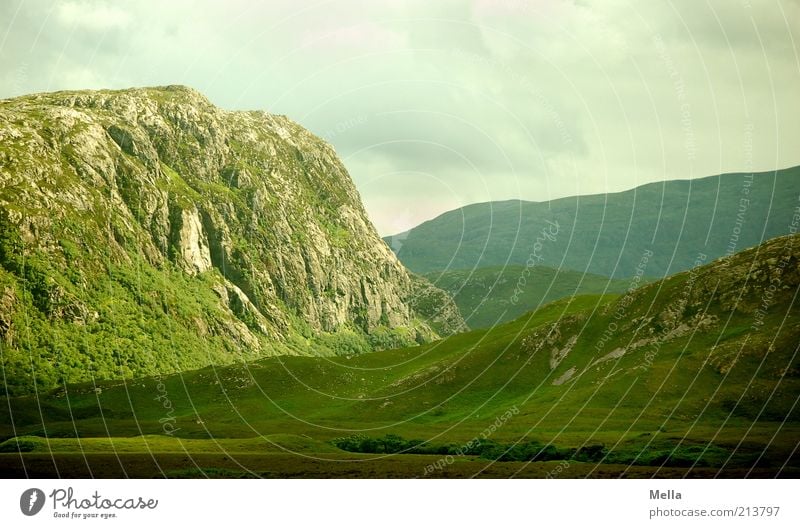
{"x": 608, "y": 234}
{"x": 694, "y": 374}
{"x": 489, "y": 296}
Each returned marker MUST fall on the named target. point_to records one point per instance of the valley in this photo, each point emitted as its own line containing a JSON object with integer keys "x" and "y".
{"x": 492, "y": 295}
{"x": 692, "y": 375}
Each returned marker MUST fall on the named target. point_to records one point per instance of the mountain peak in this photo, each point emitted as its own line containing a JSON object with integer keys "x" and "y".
{"x": 172, "y": 234}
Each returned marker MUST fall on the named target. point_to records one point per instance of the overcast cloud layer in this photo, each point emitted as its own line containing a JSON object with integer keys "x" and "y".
{"x": 436, "y": 104}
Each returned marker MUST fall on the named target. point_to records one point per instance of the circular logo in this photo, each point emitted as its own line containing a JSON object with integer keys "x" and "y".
{"x": 31, "y": 501}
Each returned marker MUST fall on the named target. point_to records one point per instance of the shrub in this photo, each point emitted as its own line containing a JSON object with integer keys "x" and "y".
{"x": 590, "y": 453}
{"x": 19, "y": 445}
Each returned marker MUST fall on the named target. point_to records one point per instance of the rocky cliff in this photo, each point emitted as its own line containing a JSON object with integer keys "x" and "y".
{"x": 146, "y": 231}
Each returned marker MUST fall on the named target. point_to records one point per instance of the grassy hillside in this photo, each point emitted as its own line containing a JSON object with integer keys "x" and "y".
{"x": 695, "y": 374}
{"x": 608, "y": 234}
{"x": 489, "y": 296}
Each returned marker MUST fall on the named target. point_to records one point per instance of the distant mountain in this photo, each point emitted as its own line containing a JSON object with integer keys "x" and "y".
{"x": 496, "y": 294}
{"x": 668, "y": 222}
{"x": 146, "y": 231}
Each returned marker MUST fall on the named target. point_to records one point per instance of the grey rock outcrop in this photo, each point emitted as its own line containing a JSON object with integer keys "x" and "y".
{"x": 247, "y": 206}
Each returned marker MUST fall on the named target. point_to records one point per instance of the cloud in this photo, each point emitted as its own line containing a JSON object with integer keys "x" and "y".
{"x": 367, "y": 35}
{"x": 438, "y": 104}
{"x": 92, "y": 16}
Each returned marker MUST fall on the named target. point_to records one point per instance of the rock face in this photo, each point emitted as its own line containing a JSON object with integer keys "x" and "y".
{"x": 193, "y": 253}
{"x": 747, "y": 302}
{"x": 145, "y": 231}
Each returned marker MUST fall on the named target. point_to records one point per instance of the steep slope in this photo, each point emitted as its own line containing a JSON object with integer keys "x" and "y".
{"x": 608, "y": 234}
{"x": 146, "y": 231}
{"x": 498, "y": 294}
{"x": 700, "y": 368}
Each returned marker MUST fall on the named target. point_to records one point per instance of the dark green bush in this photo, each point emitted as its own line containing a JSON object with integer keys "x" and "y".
{"x": 18, "y": 445}
{"x": 524, "y": 451}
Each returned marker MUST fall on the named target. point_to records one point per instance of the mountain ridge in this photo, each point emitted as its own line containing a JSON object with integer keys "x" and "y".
{"x": 605, "y": 234}
{"x": 491, "y": 295}
{"x": 687, "y": 181}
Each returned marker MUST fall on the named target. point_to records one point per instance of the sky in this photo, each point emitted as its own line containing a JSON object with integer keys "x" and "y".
{"x": 433, "y": 105}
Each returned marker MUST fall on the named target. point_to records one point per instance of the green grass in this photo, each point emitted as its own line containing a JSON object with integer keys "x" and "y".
{"x": 716, "y": 392}
{"x": 276, "y": 443}
{"x": 492, "y": 295}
